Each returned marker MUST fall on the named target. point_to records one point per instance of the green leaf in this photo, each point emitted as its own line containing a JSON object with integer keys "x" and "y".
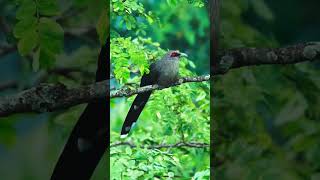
{"x": 7, "y": 132}
{"x": 28, "y": 42}
{"x": 172, "y": 2}
{"x": 190, "y": 37}
{"x": 262, "y": 9}
{"x": 48, "y": 7}
{"x": 26, "y": 10}
{"x": 191, "y": 63}
{"x": 171, "y": 174}
{"x": 128, "y": 24}
{"x": 51, "y": 35}
{"x": 35, "y": 61}
{"x": 128, "y": 151}
{"x": 149, "y": 19}
{"x": 134, "y": 174}
{"x": 102, "y": 27}
{"x": 201, "y": 174}
{"x": 140, "y": 156}
{"x": 131, "y": 163}
{"x": 27, "y": 24}
{"x": 46, "y": 58}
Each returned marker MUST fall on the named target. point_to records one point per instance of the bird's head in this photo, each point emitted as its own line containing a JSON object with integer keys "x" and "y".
{"x": 175, "y": 55}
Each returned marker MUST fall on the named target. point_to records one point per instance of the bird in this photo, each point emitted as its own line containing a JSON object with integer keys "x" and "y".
{"x": 163, "y": 72}
{"x": 89, "y": 138}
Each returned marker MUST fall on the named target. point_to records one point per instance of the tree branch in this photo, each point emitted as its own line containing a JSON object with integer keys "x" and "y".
{"x": 46, "y": 97}
{"x": 240, "y": 57}
{"x": 160, "y": 146}
{"x": 127, "y": 92}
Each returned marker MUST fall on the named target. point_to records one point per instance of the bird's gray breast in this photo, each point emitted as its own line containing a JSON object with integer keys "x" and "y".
{"x": 167, "y": 71}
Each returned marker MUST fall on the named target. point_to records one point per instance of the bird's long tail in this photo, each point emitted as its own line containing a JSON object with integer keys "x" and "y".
{"x": 90, "y": 137}
{"x": 85, "y": 146}
{"x": 134, "y": 112}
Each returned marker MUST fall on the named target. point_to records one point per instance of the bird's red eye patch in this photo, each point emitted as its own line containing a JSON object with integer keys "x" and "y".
{"x": 174, "y": 54}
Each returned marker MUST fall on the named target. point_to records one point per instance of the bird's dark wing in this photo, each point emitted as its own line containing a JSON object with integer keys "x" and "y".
{"x": 88, "y": 140}
{"x": 151, "y": 77}
{"x": 139, "y": 102}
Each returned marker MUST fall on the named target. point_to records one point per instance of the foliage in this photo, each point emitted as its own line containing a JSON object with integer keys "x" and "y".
{"x": 178, "y": 114}
{"x": 266, "y": 118}
{"x": 40, "y": 34}
{"x": 35, "y": 30}
{"x": 48, "y": 41}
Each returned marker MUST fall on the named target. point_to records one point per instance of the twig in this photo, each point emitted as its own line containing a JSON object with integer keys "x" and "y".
{"x": 127, "y": 92}
{"x": 161, "y": 146}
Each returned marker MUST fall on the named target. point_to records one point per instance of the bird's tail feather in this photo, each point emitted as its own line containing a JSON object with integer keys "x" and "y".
{"x": 134, "y": 112}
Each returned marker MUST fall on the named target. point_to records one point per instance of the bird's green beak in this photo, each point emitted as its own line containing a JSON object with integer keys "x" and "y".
{"x": 183, "y": 55}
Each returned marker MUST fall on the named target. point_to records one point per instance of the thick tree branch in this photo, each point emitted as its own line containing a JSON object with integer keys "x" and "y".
{"x": 52, "y": 97}
{"x": 161, "y": 146}
{"x": 240, "y": 57}
{"x": 47, "y": 97}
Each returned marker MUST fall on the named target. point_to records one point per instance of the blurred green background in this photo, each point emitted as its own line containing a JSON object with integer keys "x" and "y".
{"x": 267, "y": 117}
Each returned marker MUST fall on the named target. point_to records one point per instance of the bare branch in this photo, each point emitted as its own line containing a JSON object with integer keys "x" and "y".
{"x": 127, "y": 92}
{"x": 47, "y": 97}
{"x": 161, "y": 146}
{"x": 240, "y": 57}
